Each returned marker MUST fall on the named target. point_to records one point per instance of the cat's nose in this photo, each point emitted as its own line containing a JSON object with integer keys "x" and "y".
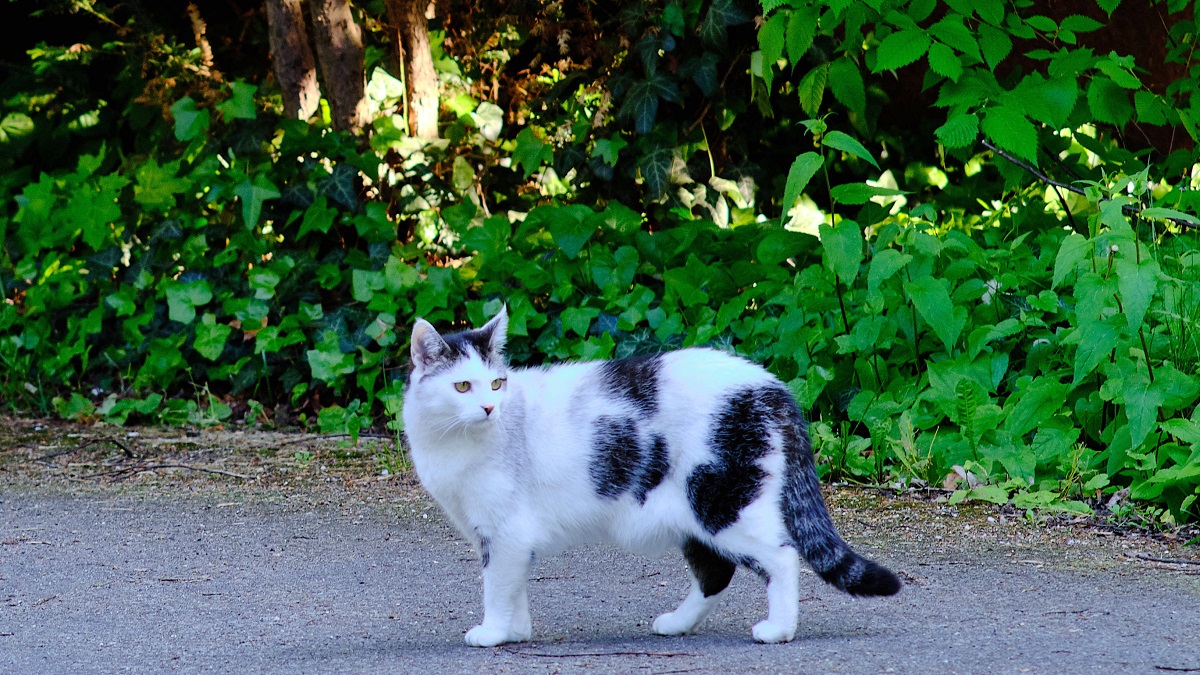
{"x": 487, "y": 409}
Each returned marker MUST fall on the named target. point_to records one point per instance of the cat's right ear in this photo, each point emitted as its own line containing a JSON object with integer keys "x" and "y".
{"x": 427, "y": 346}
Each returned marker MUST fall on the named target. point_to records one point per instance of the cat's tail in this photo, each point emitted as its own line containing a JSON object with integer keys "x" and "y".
{"x": 813, "y": 531}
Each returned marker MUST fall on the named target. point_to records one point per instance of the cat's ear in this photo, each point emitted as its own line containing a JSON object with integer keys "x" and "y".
{"x": 427, "y": 347}
{"x": 497, "y": 331}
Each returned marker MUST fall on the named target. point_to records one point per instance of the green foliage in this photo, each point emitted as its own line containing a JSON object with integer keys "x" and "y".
{"x": 944, "y": 314}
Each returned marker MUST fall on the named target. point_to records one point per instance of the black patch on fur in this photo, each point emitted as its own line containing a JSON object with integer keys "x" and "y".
{"x": 634, "y": 379}
{"x": 808, "y": 522}
{"x": 712, "y": 570}
{"x": 655, "y": 464}
{"x": 741, "y": 435}
{"x": 615, "y": 455}
{"x": 459, "y": 346}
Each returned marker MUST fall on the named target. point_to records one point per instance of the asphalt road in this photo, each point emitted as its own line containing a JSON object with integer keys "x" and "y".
{"x": 106, "y": 582}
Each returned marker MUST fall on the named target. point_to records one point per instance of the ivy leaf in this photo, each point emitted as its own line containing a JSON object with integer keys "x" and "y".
{"x": 609, "y": 149}
{"x": 1036, "y": 403}
{"x": 641, "y": 102}
{"x": 702, "y": 70}
{"x": 995, "y": 43}
{"x": 900, "y": 49}
{"x": 845, "y": 143}
{"x": 812, "y": 89}
{"x": 1011, "y": 131}
{"x": 1109, "y": 102}
{"x": 721, "y": 15}
{"x": 318, "y": 217}
{"x": 530, "y": 152}
{"x": 570, "y": 231}
{"x": 190, "y": 121}
{"x": 959, "y": 131}
{"x": 803, "y": 169}
{"x": 339, "y": 186}
{"x": 843, "y": 246}
{"x": 801, "y": 30}
{"x": 945, "y": 62}
{"x": 846, "y": 83}
{"x": 578, "y": 319}
{"x": 253, "y": 193}
{"x": 211, "y": 337}
{"x": 157, "y": 185}
{"x": 183, "y": 298}
{"x": 327, "y": 361}
{"x": 240, "y": 105}
{"x": 932, "y": 301}
{"x": 656, "y": 169}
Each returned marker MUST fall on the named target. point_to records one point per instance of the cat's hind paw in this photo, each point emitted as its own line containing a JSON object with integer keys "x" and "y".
{"x": 486, "y": 636}
{"x": 771, "y": 633}
{"x": 672, "y": 623}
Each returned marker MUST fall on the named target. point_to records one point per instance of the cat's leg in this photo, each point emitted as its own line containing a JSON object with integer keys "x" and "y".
{"x": 780, "y": 566}
{"x": 505, "y": 599}
{"x": 711, "y": 573}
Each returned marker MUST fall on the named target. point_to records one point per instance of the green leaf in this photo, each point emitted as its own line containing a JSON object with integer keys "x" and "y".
{"x": 959, "y": 131}
{"x": 900, "y": 49}
{"x": 1108, "y": 5}
{"x": 578, "y": 319}
{"x": 183, "y": 298}
{"x": 253, "y": 193}
{"x": 951, "y": 31}
{"x": 945, "y": 62}
{"x": 1159, "y": 212}
{"x": 1011, "y": 131}
{"x": 1053, "y": 101}
{"x": 812, "y": 89}
{"x": 995, "y": 43}
{"x": 570, "y": 232}
{"x": 530, "y": 152}
{"x": 157, "y": 185}
{"x": 327, "y": 361}
{"x": 15, "y": 125}
{"x": 1097, "y": 339}
{"x": 1073, "y": 250}
{"x": 1138, "y": 284}
{"x": 1108, "y": 102}
{"x": 846, "y": 83}
{"x": 655, "y": 166}
{"x": 932, "y": 301}
{"x": 609, "y": 149}
{"x": 861, "y": 193}
{"x": 803, "y": 169}
{"x": 641, "y": 102}
{"x": 845, "y": 143}
{"x": 1036, "y": 403}
{"x": 779, "y": 245}
{"x": 190, "y": 122}
{"x": 714, "y": 28}
{"x": 318, "y": 217}
{"x": 771, "y": 38}
{"x": 843, "y": 246}
{"x": 884, "y": 265}
{"x": 801, "y": 30}
{"x": 1142, "y": 401}
{"x": 211, "y": 337}
{"x": 240, "y": 105}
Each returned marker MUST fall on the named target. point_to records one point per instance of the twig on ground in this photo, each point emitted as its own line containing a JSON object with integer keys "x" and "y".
{"x": 152, "y": 467}
{"x": 1178, "y": 670}
{"x": 567, "y": 655}
{"x": 321, "y": 437}
{"x": 91, "y": 441}
{"x": 1173, "y": 561}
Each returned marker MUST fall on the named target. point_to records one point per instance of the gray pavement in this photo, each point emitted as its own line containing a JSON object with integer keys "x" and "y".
{"x": 105, "y": 583}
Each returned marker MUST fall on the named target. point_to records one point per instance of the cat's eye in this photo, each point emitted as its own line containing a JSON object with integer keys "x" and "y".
{"x": 462, "y": 387}
{"x": 497, "y": 382}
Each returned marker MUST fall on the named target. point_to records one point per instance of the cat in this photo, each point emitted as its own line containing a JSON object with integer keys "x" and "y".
{"x": 695, "y": 449}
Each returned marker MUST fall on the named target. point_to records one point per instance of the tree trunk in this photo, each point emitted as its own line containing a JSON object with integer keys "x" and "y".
{"x": 292, "y": 58}
{"x": 410, "y": 33}
{"x": 340, "y": 53}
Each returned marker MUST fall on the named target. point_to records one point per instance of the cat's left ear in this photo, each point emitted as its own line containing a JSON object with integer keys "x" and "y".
{"x": 497, "y": 331}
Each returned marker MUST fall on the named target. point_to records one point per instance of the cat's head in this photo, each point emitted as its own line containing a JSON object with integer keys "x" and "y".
{"x": 460, "y": 379}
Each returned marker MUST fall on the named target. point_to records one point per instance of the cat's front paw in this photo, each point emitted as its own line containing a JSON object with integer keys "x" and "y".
{"x": 672, "y": 623}
{"x": 487, "y": 636}
{"x": 766, "y": 631}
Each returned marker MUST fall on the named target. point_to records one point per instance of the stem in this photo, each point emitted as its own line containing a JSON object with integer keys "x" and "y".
{"x": 838, "y": 285}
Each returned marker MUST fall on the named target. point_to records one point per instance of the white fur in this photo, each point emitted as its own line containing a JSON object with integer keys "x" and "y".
{"x": 519, "y": 477}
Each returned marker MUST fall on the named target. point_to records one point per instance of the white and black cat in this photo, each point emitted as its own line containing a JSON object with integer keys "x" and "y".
{"x": 695, "y": 449}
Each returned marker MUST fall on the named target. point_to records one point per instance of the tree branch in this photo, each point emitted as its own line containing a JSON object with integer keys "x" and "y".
{"x": 1132, "y": 210}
